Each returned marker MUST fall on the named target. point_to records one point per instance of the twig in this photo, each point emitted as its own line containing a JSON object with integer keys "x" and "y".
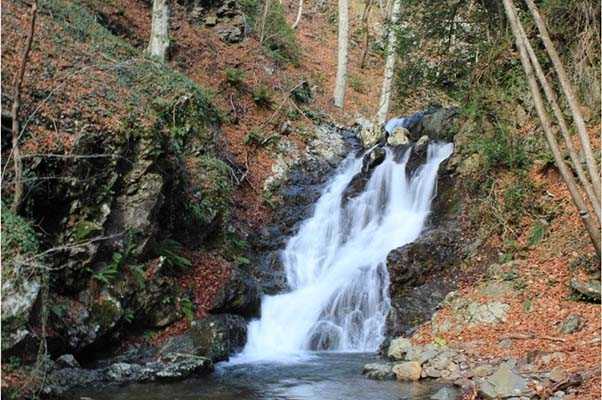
{"x": 529, "y": 336}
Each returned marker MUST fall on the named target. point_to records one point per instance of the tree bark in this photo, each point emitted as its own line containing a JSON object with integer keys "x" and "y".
{"x": 159, "y": 40}
{"x": 18, "y": 83}
{"x": 299, "y": 12}
{"x": 569, "y": 92}
{"x": 385, "y": 96}
{"x": 567, "y": 176}
{"x": 343, "y": 45}
{"x": 365, "y": 17}
{"x": 551, "y": 97}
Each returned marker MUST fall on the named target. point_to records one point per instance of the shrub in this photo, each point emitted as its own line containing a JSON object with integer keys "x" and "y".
{"x": 235, "y": 77}
{"x": 262, "y": 96}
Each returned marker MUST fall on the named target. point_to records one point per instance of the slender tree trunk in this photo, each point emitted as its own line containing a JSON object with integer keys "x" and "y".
{"x": 159, "y": 40}
{"x": 365, "y": 17}
{"x": 264, "y": 18}
{"x": 341, "y": 80}
{"x": 567, "y": 176}
{"x": 385, "y": 96}
{"x": 18, "y": 83}
{"x": 570, "y": 95}
{"x": 299, "y": 12}
{"x": 551, "y": 97}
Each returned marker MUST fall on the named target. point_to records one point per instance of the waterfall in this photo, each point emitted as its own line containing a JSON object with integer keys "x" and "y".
{"x": 336, "y": 264}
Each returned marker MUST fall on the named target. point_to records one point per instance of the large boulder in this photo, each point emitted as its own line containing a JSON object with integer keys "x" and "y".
{"x": 218, "y": 336}
{"x": 504, "y": 383}
{"x": 18, "y": 298}
{"x": 437, "y": 124}
{"x": 407, "y": 371}
{"x": 240, "y": 295}
{"x": 378, "y": 371}
{"x": 415, "y": 293}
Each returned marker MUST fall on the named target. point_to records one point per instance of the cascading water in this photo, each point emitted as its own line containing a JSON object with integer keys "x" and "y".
{"x": 335, "y": 265}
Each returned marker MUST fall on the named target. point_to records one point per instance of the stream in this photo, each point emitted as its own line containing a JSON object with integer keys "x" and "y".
{"x": 313, "y": 341}
{"x": 322, "y": 376}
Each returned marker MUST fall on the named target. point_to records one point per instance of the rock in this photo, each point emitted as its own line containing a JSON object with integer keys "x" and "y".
{"x": 378, "y": 371}
{"x": 218, "y": 336}
{"x": 373, "y": 159}
{"x": 407, "y": 371}
{"x": 573, "y": 323}
{"x": 211, "y": 20}
{"x": 482, "y": 370}
{"x": 413, "y": 298}
{"x": 503, "y": 383}
{"x": 399, "y": 137}
{"x": 558, "y": 374}
{"x": 230, "y": 33}
{"x": 505, "y": 343}
{"x": 423, "y": 141}
{"x": 18, "y": 298}
{"x": 496, "y": 289}
{"x": 398, "y": 348}
{"x": 371, "y": 135}
{"x": 182, "y": 366}
{"x": 445, "y": 393}
{"x": 590, "y": 290}
{"x": 436, "y": 124}
{"x": 240, "y": 294}
{"x": 67, "y": 361}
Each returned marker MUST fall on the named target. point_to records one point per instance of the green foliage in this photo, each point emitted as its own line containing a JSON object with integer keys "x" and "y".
{"x": 18, "y": 237}
{"x": 235, "y": 77}
{"x": 187, "y": 308}
{"x": 357, "y": 83}
{"x": 108, "y": 274}
{"x": 502, "y": 149}
{"x": 171, "y": 251}
{"x": 262, "y": 96}
{"x": 258, "y": 139}
{"x": 278, "y": 37}
{"x": 537, "y": 233}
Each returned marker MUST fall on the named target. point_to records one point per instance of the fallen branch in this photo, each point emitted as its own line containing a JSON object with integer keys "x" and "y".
{"x": 530, "y": 336}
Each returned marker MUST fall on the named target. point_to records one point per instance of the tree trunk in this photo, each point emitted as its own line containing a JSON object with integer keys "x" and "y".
{"x": 385, "y": 96}
{"x": 341, "y": 80}
{"x": 567, "y": 176}
{"x": 570, "y": 96}
{"x": 16, "y": 131}
{"x": 365, "y": 17}
{"x": 551, "y": 97}
{"x": 299, "y": 12}
{"x": 159, "y": 40}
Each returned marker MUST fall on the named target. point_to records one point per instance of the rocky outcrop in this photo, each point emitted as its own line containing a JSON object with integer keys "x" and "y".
{"x": 240, "y": 294}
{"x": 414, "y": 289}
{"x": 170, "y": 367}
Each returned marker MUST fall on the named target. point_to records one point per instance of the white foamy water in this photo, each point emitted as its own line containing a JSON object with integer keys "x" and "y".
{"x": 335, "y": 265}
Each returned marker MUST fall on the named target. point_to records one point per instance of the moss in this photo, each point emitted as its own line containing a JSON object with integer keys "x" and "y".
{"x": 106, "y": 312}
{"x": 18, "y": 236}
{"x": 85, "y": 230}
{"x": 216, "y": 190}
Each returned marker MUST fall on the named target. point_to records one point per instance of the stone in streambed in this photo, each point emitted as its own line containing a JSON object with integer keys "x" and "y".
{"x": 378, "y": 371}
{"x": 407, "y": 371}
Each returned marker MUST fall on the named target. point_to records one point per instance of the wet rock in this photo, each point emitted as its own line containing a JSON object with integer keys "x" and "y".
{"x": 445, "y": 393}
{"x": 218, "y": 336}
{"x": 504, "y": 382}
{"x": 398, "y": 348}
{"x": 67, "y": 361}
{"x": 573, "y": 323}
{"x": 588, "y": 290}
{"x": 399, "y": 137}
{"x": 407, "y": 371}
{"x": 379, "y": 371}
{"x": 370, "y": 135}
{"x": 181, "y": 366}
{"x": 239, "y": 295}
{"x": 413, "y": 298}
